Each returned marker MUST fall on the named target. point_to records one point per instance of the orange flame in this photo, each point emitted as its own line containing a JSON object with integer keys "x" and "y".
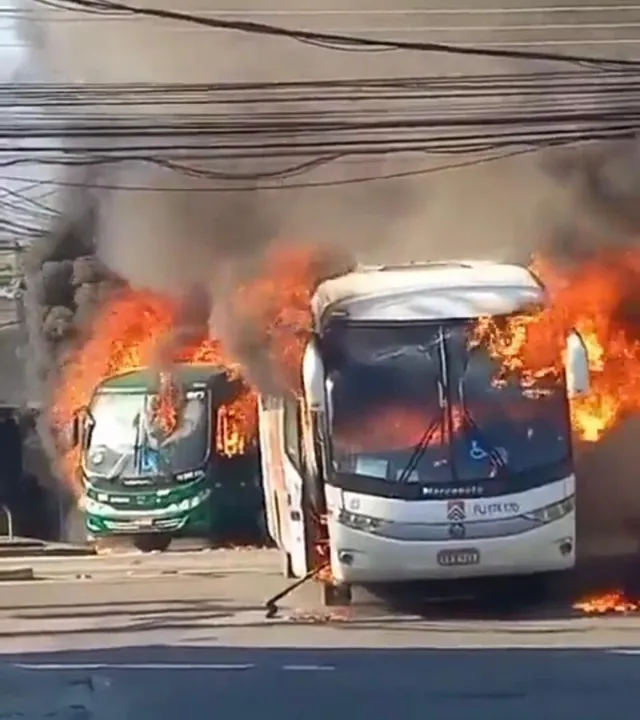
{"x": 236, "y": 425}
{"x": 611, "y": 602}
{"x": 276, "y": 307}
{"x": 125, "y": 336}
{"x": 393, "y": 428}
{"x": 598, "y": 298}
{"x": 164, "y": 406}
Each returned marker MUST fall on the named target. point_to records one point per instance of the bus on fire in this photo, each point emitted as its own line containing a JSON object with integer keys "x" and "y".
{"x": 403, "y": 459}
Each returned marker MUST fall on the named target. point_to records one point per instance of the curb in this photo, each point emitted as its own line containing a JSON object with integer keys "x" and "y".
{"x": 9, "y": 552}
{"x": 17, "y": 574}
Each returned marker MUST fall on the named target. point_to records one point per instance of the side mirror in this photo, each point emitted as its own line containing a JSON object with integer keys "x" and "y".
{"x": 576, "y": 365}
{"x": 313, "y": 376}
{"x": 72, "y": 433}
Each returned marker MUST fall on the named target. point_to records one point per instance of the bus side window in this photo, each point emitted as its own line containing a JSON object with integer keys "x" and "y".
{"x": 292, "y": 431}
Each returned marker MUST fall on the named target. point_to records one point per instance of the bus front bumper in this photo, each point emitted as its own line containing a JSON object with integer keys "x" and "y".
{"x": 361, "y": 557}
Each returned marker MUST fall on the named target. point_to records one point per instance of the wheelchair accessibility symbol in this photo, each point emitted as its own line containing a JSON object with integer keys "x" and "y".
{"x": 476, "y": 452}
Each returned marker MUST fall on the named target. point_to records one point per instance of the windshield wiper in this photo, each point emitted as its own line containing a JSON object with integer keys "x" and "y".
{"x": 419, "y": 450}
{"x": 119, "y": 466}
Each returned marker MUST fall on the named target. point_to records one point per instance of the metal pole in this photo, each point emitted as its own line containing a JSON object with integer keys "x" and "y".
{"x": 9, "y": 516}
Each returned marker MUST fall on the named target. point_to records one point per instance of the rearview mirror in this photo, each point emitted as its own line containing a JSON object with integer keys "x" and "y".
{"x": 313, "y": 376}
{"x": 576, "y": 365}
{"x": 72, "y": 432}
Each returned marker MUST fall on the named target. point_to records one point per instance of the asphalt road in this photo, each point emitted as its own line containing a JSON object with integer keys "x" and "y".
{"x": 161, "y": 636}
{"x": 379, "y": 683}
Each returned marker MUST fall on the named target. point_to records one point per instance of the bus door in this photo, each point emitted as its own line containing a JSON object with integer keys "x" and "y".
{"x": 281, "y": 446}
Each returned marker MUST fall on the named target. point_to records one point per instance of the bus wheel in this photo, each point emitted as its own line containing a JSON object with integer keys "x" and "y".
{"x": 153, "y": 542}
{"x": 287, "y": 566}
{"x": 336, "y": 595}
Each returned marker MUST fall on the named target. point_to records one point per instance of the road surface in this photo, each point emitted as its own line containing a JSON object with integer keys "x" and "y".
{"x": 160, "y": 636}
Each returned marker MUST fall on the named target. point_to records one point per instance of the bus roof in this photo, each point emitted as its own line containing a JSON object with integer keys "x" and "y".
{"x": 428, "y": 291}
{"x": 144, "y": 379}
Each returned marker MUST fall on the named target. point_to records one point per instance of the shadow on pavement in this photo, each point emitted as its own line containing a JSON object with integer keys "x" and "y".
{"x": 549, "y": 596}
{"x": 120, "y": 618}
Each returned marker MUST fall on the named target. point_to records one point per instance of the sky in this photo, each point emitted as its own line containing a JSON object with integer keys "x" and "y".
{"x": 11, "y": 50}
{"x": 23, "y": 197}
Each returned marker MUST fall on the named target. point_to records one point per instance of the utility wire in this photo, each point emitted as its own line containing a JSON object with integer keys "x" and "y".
{"x": 256, "y": 186}
{"x": 338, "y": 41}
{"x": 314, "y": 150}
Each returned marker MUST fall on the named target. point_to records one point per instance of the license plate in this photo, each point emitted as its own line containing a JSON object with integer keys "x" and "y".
{"x": 145, "y": 522}
{"x": 462, "y": 556}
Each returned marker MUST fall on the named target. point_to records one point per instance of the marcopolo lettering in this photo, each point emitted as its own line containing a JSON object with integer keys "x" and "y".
{"x": 494, "y": 509}
{"x": 465, "y": 491}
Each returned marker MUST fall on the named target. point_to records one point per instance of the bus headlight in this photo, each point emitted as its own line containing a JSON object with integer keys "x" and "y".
{"x": 355, "y": 521}
{"x": 93, "y": 507}
{"x": 552, "y": 512}
{"x": 189, "y": 503}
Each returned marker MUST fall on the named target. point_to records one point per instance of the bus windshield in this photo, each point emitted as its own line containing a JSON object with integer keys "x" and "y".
{"x": 125, "y": 442}
{"x": 502, "y": 425}
{"x": 421, "y": 404}
{"x": 387, "y": 398}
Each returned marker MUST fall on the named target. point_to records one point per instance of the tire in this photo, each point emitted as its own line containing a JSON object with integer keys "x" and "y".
{"x": 153, "y": 542}
{"x": 336, "y": 595}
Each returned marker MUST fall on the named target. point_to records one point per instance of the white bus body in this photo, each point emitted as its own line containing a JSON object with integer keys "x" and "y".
{"x": 445, "y": 530}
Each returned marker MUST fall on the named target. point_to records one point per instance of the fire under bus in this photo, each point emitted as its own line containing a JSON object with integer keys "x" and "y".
{"x": 152, "y": 468}
{"x": 403, "y": 459}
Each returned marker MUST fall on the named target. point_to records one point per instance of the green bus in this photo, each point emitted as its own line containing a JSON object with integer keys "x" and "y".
{"x": 157, "y": 478}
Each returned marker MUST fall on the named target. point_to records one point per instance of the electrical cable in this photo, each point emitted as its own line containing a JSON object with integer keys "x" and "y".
{"x": 399, "y": 175}
{"x": 341, "y": 41}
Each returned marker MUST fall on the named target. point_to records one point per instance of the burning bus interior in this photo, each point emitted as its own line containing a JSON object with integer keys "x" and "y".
{"x": 158, "y": 420}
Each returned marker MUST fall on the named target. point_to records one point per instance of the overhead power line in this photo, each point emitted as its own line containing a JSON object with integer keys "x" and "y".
{"x": 256, "y": 186}
{"x": 332, "y": 40}
{"x": 255, "y": 181}
{"x": 559, "y": 88}
{"x": 322, "y": 108}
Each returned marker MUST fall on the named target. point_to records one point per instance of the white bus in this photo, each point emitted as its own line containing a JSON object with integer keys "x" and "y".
{"x": 403, "y": 459}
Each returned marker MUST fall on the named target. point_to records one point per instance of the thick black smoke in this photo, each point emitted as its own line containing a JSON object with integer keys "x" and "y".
{"x": 65, "y": 285}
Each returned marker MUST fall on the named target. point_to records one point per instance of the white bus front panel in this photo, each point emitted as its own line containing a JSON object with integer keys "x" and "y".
{"x": 376, "y": 539}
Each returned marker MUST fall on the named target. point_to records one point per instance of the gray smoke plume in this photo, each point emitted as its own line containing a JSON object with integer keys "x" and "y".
{"x": 171, "y": 234}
